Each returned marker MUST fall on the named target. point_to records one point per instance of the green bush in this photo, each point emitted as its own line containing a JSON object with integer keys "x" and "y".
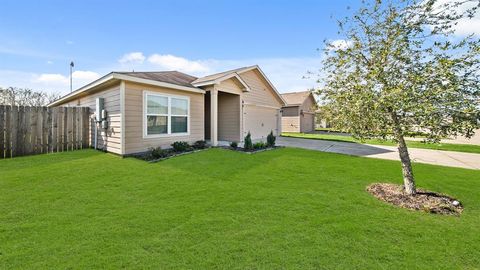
{"x": 259, "y": 145}
{"x": 180, "y": 146}
{"x": 247, "y": 142}
{"x": 157, "y": 152}
{"x": 200, "y": 145}
{"x": 234, "y": 145}
{"x": 271, "y": 139}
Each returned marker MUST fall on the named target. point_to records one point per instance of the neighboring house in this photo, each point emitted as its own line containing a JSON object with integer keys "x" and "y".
{"x": 298, "y": 115}
{"x": 151, "y": 109}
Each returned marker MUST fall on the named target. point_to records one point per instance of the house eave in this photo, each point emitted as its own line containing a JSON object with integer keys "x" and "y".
{"x": 235, "y": 75}
{"x": 121, "y": 77}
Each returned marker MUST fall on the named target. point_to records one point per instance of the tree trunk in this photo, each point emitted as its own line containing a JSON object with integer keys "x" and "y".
{"x": 408, "y": 179}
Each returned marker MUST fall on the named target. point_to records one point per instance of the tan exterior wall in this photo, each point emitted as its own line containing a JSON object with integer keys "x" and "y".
{"x": 290, "y": 124}
{"x": 110, "y": 139}
{"x": 228, "y": 117}
{"x": 308, "y": 105}
{"x": 134, "y": 139}
{"x": 306, "y": 122}
{"x": 294, "y": 121}
{"x": 230, "y": 86}
{"x": 307, "y": 119}
{"x": 290, "y": 111}
{"x": 261, "y": 108}
{"x": 261, "y": 93}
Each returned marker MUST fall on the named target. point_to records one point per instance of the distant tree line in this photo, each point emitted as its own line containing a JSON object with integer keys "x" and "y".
{"x": 26, "y": 97}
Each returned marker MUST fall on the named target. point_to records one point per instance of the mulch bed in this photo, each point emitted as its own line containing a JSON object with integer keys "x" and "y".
{"x": 252, "y": 151}
{"x": 169, "y": 153}
{"x": 424, "y": 200}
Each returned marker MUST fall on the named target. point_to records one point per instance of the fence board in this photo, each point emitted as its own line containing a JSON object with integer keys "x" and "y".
{"x": 44, "y": 130}
{"x": 37, "y": 130}
{"x": 2, "y": 131}
{"x": 33, "y": 129}
{"x": 54, "y": 146}
{"x": 19, "y": 143}
{"x": 86, "y": 128}
{"x": 60, "y": 130}
{"x": 48, "y": 130}
{"x": 14, "y": 131}
{"x": 28, "y": 132}
{"x": 7, "y": 133}
{"x": 65, "y": 129}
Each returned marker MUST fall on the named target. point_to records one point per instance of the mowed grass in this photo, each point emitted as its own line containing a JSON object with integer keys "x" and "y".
{"x": 219, "y": 209}
{"x": 467, "y": 148}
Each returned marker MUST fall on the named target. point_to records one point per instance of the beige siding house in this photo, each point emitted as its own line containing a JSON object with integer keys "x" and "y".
{"x": 299, "y": 113}
{"x": 151, "y": 109}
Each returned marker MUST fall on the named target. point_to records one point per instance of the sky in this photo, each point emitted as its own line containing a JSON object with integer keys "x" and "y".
{"x": 39, "y": 39}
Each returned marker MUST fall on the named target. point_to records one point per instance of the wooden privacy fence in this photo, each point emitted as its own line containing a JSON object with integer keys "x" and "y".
{"x": 38, "y": 130}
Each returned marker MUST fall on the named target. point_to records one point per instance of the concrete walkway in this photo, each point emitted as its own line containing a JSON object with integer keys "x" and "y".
{"x": 435, "y": 157}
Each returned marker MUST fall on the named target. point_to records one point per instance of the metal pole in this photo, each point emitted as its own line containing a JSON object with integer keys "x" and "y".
{"x": 71, "y": 71}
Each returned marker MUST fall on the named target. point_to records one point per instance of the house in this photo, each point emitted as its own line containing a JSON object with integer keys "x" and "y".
{"x": 298, "y": 115}
{"x": 151, "y": 109}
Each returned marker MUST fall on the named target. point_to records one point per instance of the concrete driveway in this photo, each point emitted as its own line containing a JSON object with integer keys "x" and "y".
{"x": 435, "y": 157}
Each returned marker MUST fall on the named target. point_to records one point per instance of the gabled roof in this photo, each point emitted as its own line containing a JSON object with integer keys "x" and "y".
{"x": 168, "y": 79}
{"x": 296, "y": 98}
{"x": 173, "y": 77}
{"x": 218, "y": 77}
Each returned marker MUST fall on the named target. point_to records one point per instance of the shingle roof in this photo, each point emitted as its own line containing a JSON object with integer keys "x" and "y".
{"x": 218, "y": 75}
{"x": 173, "y": 77}
{"x": 295, "y": 98}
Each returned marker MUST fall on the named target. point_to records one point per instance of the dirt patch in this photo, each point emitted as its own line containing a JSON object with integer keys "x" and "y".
{"x": 424, "y": 200}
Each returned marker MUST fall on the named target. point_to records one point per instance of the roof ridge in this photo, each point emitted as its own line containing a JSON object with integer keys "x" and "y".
{"x": 299, "y": 92}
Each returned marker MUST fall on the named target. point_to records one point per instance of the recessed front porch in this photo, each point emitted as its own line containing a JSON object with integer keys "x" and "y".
{"x": 223, "y": 117}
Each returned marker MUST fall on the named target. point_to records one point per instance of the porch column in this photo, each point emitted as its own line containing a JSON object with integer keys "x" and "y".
{"x": 214, "y": 117}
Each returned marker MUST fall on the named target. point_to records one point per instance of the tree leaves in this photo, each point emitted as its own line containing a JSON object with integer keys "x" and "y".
{"x": 403, "y": 61}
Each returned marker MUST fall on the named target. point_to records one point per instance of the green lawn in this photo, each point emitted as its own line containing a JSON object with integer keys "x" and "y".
{"x": 468, "y": 148}
{"x": 219, "y": 209}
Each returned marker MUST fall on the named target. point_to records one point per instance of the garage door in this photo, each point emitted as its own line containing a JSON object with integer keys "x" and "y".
{"x": 260, "y": 121}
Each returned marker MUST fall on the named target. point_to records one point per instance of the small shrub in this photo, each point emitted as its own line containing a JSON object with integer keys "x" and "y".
{"x": 259, "y": 145}
{"x": 200, "y": 145}
{"x": 247, "y": 144}
{"x": 180, "y": 146}
{"x": 234, "y": 145}
{"x": 157, "y": 152}
{"x": 271, "y": 139}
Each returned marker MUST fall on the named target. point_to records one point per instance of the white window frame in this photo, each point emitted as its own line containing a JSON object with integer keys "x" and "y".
{"x": 169, "y": 115}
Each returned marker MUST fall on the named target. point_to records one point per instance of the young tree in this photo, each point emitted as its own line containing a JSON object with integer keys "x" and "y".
{"x": 402, "y": 68}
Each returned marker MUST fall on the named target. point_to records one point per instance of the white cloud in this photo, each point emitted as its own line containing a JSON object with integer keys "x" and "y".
{"x": 171, "y": 62}
{"x": 340, "y": 44}
{"x": 85, "y": 75}
{"x": 69, "y": 42}
{"x": 132, "y": 58}
{"x": 465, "y": 26}
{"x": 59, "y": 82}
{"x": 52, "y": 79}
{"x": 287, "y": 74}
{"x": 49, "y": 62}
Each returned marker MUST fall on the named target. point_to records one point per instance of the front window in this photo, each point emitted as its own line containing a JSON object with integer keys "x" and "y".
{"x": 179, "y": 115}
{"x": 166, "y": 115}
